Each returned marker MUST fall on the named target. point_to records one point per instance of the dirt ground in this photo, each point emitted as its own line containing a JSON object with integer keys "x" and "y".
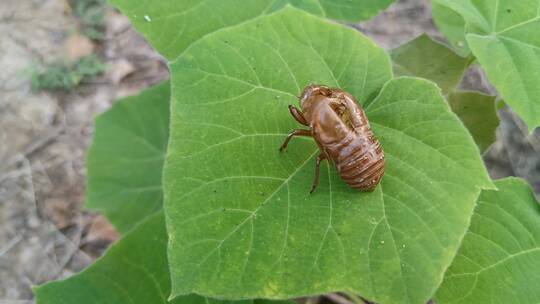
{"x": 44, "y": 232}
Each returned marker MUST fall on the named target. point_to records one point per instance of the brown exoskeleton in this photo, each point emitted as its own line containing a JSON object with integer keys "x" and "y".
{"x": 342, "y": 132}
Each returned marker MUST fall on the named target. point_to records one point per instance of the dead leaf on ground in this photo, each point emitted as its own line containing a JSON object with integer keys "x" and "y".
{"x": 101, "y": 229}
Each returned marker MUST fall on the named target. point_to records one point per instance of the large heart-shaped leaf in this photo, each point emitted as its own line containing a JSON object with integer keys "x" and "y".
{"x": 241, "y": 221}
{"x": 504, "y": 37}
{"x": 125, "y": 182}
{"x": 173, "y": 25}
{"x": 425, "y": 58}
{"x": 133, "y": 271}
{"x": 499, "y": 260}
{"x": 125, "y": 161}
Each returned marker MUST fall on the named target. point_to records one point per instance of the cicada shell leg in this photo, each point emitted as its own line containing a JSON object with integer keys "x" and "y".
{"x": 297, "y": 132}
{"x": 320, "y": 158}
{"x": 297, "y": 114}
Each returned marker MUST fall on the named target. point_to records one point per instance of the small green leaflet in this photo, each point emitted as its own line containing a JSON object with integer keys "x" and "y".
{"x": 425, "y": 58}
{"x": 499, "y": 260}
{"x": 479, "y": 114}
{"x": 504, "y": 36}
{"x": 240, "y": 218}
{"x": 452, "y": 25}
{"x": 133, "y": 271}
{"x": 125, "y": 161}
{"x": 173, "y": 25}
{"x": 344, "y": 10}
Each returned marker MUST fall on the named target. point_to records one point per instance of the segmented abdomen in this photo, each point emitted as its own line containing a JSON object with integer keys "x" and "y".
{"x": 359, "y": 160}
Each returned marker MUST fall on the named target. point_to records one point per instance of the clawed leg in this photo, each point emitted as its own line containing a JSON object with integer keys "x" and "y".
{"x": 297, "y": 114}
{"x": 320, "y": 158}
{"x": 297, "y": 132}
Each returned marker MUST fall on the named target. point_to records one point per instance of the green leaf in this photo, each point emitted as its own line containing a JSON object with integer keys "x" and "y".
{"x": 173, "y": 25}
{"x": 241, "y": 221}
{"x": 499, "y": 260}
{"x": 345, "y": 10}
{"x": 504, "y": 37}
{"x": 133, "y": 271}
{"x": 125, "y": 161}
{"x": 452, "y": 25}
{"x": 428, "y": 59}
{"x": 478, "y": 112}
